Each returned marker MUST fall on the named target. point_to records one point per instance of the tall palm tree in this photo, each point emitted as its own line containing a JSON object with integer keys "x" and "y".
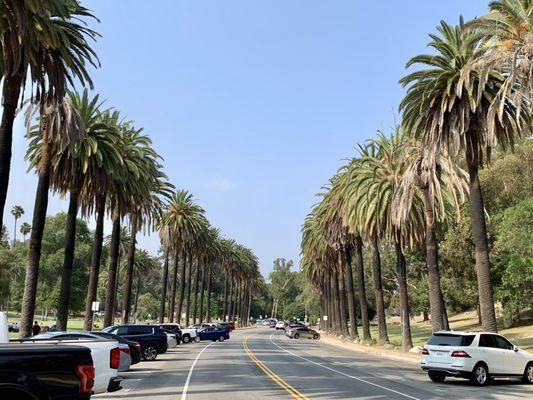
{"x": 166, "y": 239}
{"x": 449, "y": 104}
{"x": 59, "y": 124}
{"x": 46, "y": 42}
{"x": 25, "y": 228}
{"x": 17, "y": 212}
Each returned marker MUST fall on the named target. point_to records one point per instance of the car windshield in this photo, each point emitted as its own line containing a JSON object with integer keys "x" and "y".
{"x": 446, "y": 339}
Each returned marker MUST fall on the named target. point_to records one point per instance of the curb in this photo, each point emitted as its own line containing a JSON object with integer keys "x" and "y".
{"x": 407, "y": 357}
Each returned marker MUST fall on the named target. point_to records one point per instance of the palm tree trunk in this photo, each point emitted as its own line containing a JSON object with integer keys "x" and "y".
{"x": 230, "y": 300}
{"x": 336, "y": 302}
{"x": 164, "y": 285}
{"x": 479, "y": 233}
{"x": 37, "y": 230}
{"x": 208, "y": 302}
{"x": 189, "y": 276}
{"x": 363, "y": 304}
{"x": 138, "y": 289}
{"x": 68, "y": 260}
{"x": 342, "y": 303}
{"x": 130, "y": 261}
{"x": 383, "y": 337}
{"x": 95, "y": 264}
{"x": 202, "y": 288}
{"x": 173, "y": 288}
{"x": 249, "y": 307}
{"x": 347, "y": 261}
{"x": 182, "y": 286}
{"x": 195, "y": 292}
{"x": 407, "y": 341}
{"x": 224, "y": 308}
{"x": 436, "y": 301}
{"x": 10, "y": 96}
{"x": 329, "y": 302}
{"x": 109, "y": 315}
{"x": 15, "y": 232}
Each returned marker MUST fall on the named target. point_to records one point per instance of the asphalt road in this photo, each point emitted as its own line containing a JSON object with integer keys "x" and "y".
{"x": 260, "y": 363}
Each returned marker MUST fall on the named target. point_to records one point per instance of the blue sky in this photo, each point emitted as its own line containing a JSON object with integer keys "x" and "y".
{"x": 253, "y": 104}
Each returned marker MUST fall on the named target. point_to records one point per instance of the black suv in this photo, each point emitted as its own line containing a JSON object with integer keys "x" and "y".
{"x": 152, "y": 339}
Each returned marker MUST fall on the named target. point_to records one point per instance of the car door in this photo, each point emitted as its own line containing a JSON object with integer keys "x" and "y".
{"x": 494, "y": 356}
{"x": 514, "y": 362}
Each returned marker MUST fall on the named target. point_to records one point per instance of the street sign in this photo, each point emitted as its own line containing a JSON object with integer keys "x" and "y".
{"x": 95, "y": 306}
{"x": 325, "y": 317}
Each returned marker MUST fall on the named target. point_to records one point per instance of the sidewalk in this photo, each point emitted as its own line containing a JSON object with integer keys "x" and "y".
{"x": 413, "y": 358}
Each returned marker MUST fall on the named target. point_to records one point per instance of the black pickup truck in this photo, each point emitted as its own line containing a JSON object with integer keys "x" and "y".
{"x": 45, "y": 371}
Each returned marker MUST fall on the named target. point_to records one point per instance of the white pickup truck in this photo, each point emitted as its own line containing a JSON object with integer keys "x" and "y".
{"x": 187, "y": 335}
{"x": 104, "y": 352}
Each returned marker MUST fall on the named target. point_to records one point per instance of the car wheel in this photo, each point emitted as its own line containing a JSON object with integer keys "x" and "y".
{"x": 480, "y": 375}
{"x": 197, "y": 339}
{"x": 528, "y": 374}
{"x": 297, "y": 336}
{"x": 436, "y": 377}
{"x": 316, "y": 336}
{"x": 186, "y": 339}
{"x": 149, "y": 353}
{"x": 221, "y": 339}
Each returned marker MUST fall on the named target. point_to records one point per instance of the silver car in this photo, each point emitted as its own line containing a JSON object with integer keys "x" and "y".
{"x": 302, "y": 332}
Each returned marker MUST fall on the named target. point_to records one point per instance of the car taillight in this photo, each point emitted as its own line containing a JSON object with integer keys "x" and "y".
{"x": 460, "y": 354}
{"x": 86, "y": 374}
{"x": 114, "y": 359}
{"x": 137, "y": 346}
{"x": 126, "y": 350}
{"x": 425, "y": 352}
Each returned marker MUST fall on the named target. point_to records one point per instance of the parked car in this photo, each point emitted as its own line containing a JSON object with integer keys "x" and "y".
{"x": 174, "y": 328}
{"x": 187, "y": 335}
{"x": 280, "y": 325}
{"x": 135, "y": 348}
{"x": 152, "y": 339}
{"x": 45, "y": 371}
{"x": 477, "y": 356}
{"x": 213, "y": 333}
{"x": 125, "y": 358}
{"x": 302, "y": 332}
{"x": 230, "y": 325}
{"x": 172, "y": 341}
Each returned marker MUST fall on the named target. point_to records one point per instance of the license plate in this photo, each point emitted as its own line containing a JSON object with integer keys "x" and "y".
{"x": 440, "y": 353}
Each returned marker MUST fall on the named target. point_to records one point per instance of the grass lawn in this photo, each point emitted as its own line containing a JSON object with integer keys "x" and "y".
{"x": 522, "y": 335}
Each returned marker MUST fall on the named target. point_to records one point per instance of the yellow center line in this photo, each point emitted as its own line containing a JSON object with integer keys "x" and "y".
{"x": 295, "y": 393}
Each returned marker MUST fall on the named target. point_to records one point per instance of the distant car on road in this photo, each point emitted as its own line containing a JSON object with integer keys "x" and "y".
{"x": 230, "y": 325}
{"x": 477, "y": 356}
{"x": 280, "y": 325}
{"x": 152, "y": 339}
{"x": 213, "y": 333}
{"x": 302, "y": 332}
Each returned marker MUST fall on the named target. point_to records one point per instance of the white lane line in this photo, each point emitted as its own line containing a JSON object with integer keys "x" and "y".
{"x": 186, "y": 386}
{"x": 342, "y": 373}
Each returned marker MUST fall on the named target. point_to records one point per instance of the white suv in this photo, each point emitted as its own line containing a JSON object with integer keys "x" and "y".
{"x": 478, "y": 356}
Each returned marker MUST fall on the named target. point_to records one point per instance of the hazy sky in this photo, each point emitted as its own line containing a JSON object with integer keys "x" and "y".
{"x": 253, "y": 104}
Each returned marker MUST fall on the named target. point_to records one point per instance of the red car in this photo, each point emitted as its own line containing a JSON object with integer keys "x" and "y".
{"x": 228, "y": 325}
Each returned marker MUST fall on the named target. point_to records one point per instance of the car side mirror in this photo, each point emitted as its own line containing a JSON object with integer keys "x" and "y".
{"x": 515, "y": 349}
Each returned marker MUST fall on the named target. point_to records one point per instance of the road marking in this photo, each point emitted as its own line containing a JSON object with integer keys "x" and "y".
{"x": 342, "y": 373}
{"x": 186, "y": 386}
{"x": 295, "y": 393}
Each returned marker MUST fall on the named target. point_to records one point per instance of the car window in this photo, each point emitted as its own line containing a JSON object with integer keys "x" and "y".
{"x": 448, "y": 339}
{"x": 502, "y": 343}
{"x": 486, "y": 341}
{"x": 140, "y": 330}
{"x": 121, "y": 330}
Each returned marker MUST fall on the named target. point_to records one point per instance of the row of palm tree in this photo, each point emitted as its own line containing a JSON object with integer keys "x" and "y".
{"x": 195, "y": 248}
{"x": 402, "y": 190}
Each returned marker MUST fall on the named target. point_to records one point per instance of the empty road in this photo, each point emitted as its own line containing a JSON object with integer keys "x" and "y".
{"x": 260, "y": 363}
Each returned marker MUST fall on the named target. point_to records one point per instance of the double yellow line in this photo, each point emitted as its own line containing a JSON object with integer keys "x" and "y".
{"x": 295, "y": 393}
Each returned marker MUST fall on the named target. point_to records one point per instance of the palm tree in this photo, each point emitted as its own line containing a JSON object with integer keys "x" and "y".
{"x": 25, "y": 228}
{"x": 46, "y": 40}
{"x": 186, "y": 220}
{"x": 166, "y": 239}
{"x": 506, "y": 35}
{"x": 17, "y": 212}
{"x": 449, "y": 105}
{"x": 59, "y": 124}
{"x": 443, "y": 186}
